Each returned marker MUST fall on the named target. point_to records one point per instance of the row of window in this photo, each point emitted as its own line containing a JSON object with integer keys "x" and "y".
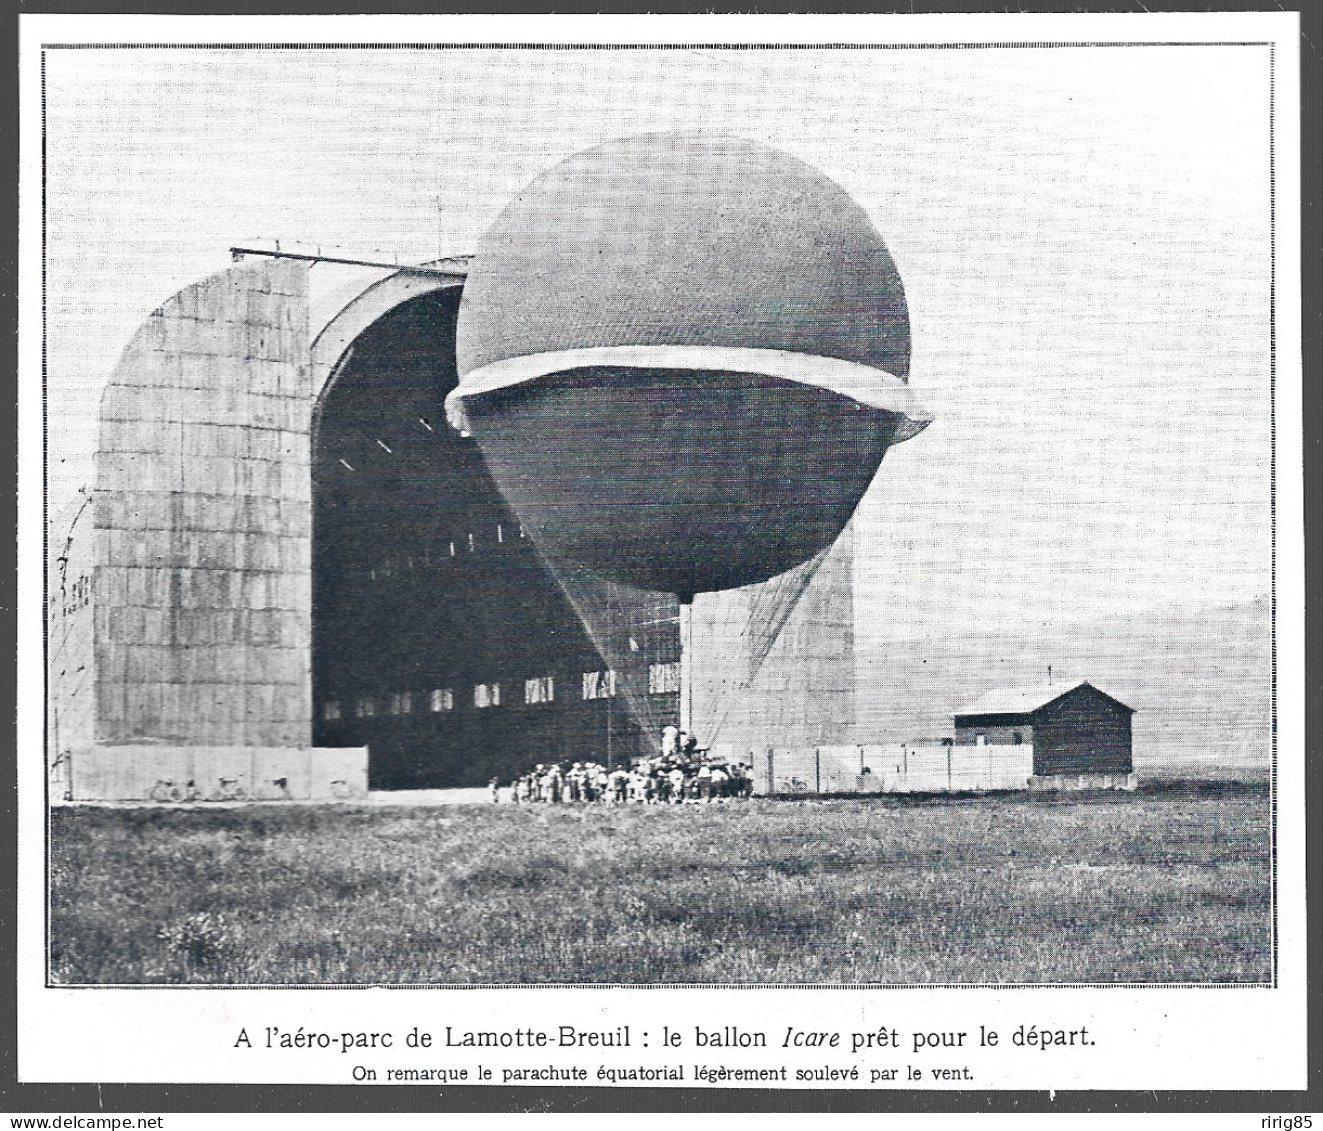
{"x": 662, "y": 678}
{"x": 455, "y": 548}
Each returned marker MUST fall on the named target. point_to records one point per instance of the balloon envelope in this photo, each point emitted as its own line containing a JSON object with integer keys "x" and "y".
{"x": 683, "y": 358}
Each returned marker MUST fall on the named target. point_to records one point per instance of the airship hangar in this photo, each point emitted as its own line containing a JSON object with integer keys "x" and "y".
{"x": 291, "y": 577}
{"x": 289, "y": 567}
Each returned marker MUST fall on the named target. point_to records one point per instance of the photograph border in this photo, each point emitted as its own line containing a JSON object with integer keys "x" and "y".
{"x": 345, "y": 1098}
{"x": 573, "y": 48}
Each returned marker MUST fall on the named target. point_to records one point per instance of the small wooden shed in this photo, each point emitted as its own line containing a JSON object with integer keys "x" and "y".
{"x": 1073, "y": 728}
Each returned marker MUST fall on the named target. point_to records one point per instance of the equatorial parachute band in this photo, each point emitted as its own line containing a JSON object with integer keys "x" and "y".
{"x": 865, "y": 384}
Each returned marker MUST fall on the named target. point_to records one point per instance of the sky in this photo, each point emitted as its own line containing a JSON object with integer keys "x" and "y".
{"x": 1083, "y": 235}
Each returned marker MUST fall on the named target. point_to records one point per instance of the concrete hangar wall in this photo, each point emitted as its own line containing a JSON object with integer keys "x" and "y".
{"x": 290, "y": 578}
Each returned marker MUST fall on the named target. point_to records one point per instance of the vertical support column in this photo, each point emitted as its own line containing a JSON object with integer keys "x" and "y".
{"x": 803, "y": 694}
{"x": 686, "y": 663}
{"x": 203, "y": 520}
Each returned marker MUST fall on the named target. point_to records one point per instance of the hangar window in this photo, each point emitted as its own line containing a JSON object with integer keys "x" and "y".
{"x": 539, "y": 690}
{"x": 663, "y": 678}
{"x": 487, "y": 695}
{"x": 401, "y": 703}
{"x": 443, "y": 699}
{"x": 599, "y": 685}
{"x": 331, "y": 709}
{"x": 366, "y": 708}
{"x": 1017, "y": 739}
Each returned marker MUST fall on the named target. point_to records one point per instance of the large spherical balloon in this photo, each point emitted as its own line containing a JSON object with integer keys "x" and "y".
{"x": 683, "y": 358}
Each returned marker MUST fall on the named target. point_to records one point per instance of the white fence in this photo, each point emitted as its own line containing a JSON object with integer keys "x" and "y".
{"x": 893, "y": 769}
{"x": 215, "y": 773}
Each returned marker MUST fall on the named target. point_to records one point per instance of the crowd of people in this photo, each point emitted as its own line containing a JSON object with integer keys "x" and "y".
{"x": 680, "y": 773}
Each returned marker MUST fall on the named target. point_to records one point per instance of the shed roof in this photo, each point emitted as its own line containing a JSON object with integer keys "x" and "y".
{"x": 1026, "y": 700}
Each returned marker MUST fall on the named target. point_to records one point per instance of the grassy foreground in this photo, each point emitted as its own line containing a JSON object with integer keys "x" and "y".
{"x": 1166, "y": 886}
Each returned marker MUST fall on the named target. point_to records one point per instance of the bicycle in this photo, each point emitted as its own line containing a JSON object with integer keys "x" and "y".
{"x": 167, "y": 789}
{"x": 229, "y": 789}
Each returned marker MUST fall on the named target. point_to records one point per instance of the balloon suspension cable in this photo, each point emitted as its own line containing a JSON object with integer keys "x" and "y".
{"x": 620, "y": 621}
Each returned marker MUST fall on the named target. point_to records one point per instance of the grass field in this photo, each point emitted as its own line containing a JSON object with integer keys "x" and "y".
{"x": 1170, "y": 884}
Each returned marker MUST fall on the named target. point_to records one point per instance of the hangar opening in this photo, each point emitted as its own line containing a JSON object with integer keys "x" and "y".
{"x": 440, "y": 641}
